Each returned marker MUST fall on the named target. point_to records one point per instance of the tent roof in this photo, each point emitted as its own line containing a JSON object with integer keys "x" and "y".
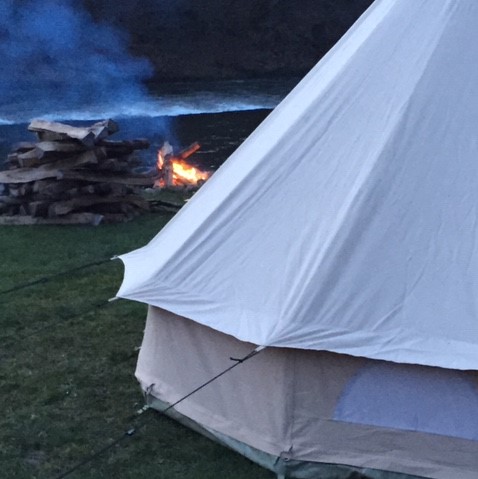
{"x": 348, "y": 220}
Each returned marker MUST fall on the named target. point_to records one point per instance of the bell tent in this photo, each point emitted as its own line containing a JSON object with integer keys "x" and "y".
{"x": 342, "y": 237}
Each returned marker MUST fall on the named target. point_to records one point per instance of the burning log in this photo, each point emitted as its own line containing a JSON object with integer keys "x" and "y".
{"x": 175, "y": 170}
{"x": 187, "y": 152}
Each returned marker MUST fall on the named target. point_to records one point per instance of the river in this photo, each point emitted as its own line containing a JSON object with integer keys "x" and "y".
{"x": 219, "y": 115}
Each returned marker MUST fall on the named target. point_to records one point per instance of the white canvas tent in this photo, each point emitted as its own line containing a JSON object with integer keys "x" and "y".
{"x": 343, "y": 236}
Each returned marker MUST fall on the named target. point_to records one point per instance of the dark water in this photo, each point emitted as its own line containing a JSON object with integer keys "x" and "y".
{"x": 218, "y": 133}
{"x": 219, "y": 115}
{"x": 164, "y": 100}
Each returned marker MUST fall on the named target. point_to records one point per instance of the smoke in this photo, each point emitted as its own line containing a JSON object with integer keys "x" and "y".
{"x": 56, "y": 58}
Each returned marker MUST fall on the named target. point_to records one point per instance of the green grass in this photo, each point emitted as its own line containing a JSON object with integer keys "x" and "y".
{"x": 67, "y": 385}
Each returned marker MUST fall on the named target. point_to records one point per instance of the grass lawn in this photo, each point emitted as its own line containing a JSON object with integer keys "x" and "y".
{"x": 67, "y": 385}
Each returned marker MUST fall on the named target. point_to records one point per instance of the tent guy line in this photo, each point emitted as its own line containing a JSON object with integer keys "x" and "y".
{"x": 64, "y": 320}
{"x": 46, "y": 279}
{"x": 129, "y": 433}
{"x": 133, "y": 430}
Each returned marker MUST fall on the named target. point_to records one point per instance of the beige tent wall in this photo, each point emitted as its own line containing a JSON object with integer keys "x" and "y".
{"x": 179, "y": 355}
{"x": 288, "y": 402}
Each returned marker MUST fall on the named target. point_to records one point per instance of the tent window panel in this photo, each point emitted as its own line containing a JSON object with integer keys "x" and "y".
{"x": 415, "y": 398}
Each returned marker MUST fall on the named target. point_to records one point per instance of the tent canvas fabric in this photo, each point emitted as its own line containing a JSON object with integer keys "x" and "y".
{"x": 347, "y": 220}
{"x": 346, "y": 224}
{"x": 294, "y": 410}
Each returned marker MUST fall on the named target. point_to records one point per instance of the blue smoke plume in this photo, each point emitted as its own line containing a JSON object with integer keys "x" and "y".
{"x": 55, "y": 57}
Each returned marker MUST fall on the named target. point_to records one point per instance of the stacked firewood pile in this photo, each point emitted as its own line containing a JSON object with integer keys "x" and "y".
{"x": 73, "y": 175}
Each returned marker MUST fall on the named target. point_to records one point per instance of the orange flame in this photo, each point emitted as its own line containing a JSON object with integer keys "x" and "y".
{"x": 175, "y": 170}
{"x": 185, "y": 173}
{"x": 164, "y": 151}
{"x": 160, "y": 161}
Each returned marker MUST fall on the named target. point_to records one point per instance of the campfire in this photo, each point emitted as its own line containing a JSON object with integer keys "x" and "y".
{"x": 78, "y": 175}
{"x": 175, "y": 171}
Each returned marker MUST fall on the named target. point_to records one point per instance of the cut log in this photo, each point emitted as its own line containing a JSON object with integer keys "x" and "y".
{"x": 88, "y": 189}
{"x": 135, "y": 180}
{"x": 26, "y": 175}
{"x": 128, "y": 209}
{"x": 168, "y": 204}
{"x": 51, "y": 188}
{"x": 73, "y": 175}
{"x": 91, "y": 157}
{"x": 48, "y": 150}
{"x": 39, "y": 208}
{"x": 116, "y": 218}
{"x": 119, "y": 189}
{"x": 24, "y": 210}
{"x": 26, "y": 163}
{"x": 56, "y": 192}
{"x": 126, "y": 146}
{"x": 12, "y": 160}
{"x": 104, "y": 128}
{"x": 102, "y": 189}
{"x": 64, "y": 207}
{"x": 12, "y": 210}
{"x": 53, "y": 191}
{"x": 50, "y": 130}
{"x": 20, "y": 190}
{"x": 113, "y": 189}
{"x": 73, "y": 219}
{"x": 71, "y": 193}
{"x": 51, "y": 170}
{"x": 113, "y": 165}
{"x": 23, "y": 146}
{"x": 30, "y": 158}
{"x": 9, "y": 200}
